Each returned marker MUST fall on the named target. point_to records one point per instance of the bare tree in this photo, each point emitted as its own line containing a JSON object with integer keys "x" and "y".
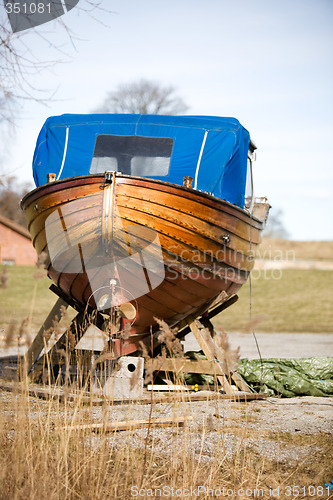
{"x": 275, "y": 227}
{"x": 11, "y": 193}
{"x": 143, "y": 97}
{"x": 18, "y": 65}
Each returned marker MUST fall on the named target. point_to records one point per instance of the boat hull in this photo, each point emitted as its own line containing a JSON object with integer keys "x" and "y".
{"x": 169, "y": 250}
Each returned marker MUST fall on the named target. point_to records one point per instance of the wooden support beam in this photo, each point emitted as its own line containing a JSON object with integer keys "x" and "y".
{"x": 211, "y": 352}
{"x": 240, "y": 382}
{"x": 129, "y": 425}
{"x": 38, "y": 343}
{"x": 77, "y": 329}
{"x": 220, "y": 355}
{"x": 217, "y": 309}
{"x": 62, "y": 295}
{"x": 83, "y": 397}
{"x": 197, "y": 396}
{"x": 183, "y": 365}
{"x": 205, "y": 321}
{"x": 184, "y": 329}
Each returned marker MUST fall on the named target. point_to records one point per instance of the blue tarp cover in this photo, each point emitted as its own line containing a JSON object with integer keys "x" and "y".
{"x": 212, "y": 150}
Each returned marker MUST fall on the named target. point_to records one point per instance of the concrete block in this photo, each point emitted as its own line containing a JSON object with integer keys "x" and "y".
{"x": 123, "y": 381}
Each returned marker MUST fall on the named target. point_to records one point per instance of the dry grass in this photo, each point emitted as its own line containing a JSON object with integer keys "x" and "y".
{"x": 45, "y": 454}
{"x": 271, "y": 248}
{"x": 39, "y": 459}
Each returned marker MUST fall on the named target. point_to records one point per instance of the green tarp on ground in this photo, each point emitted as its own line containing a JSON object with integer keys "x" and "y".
{"x": 289, "y": 377}
{"x": 280, "y": 377}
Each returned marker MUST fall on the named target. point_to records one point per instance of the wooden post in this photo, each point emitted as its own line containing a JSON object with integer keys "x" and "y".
{"x": 184, "y": 329}
{"x": 211, "y": 352}
{"x": 37, "y": 345}
{"x": 183, "y": 365}
{"x": 78, "y": 331}
{"x": 129, "y": 424}
{"x": 219, "y": 354}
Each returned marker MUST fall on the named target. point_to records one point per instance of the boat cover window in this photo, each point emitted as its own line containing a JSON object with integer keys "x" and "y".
{"x": 132, "y": 155}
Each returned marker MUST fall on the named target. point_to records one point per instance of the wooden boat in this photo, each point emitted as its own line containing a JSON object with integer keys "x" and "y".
{"x": 170, "y": 250}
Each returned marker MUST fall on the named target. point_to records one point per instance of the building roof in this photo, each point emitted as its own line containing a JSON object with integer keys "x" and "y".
{"x": 18, "y": 228}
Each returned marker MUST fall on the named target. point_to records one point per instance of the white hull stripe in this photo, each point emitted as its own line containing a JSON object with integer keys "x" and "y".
{"x": 64, "y": 155}
{"x": 199, "y": 160}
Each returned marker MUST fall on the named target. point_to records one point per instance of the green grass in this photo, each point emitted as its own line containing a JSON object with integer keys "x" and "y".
{"x": 25, "y": 297}
{"x": 299, "y": 301}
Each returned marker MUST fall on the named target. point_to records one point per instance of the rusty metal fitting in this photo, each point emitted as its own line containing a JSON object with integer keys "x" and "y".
{"x": 51, "y": 178}
{"x": 187, "y": 181}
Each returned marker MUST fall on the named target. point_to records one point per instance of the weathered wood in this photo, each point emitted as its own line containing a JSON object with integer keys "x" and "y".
{"x": 211, "y": 352}
{"x": 183, "y": 365}
{"x": 78, "y": 329}
{"x": 49, "y": 393}
{"x": 216, "y": 308}
{"x": 38, "y": 343}
{"x": 218, "y": 353}
{"x": 201, "y": 366}
{"x": 82, "y": 397}
{"x": 167, "y": 387}
{"x": 203, "y": 396}
{"x": 129, "y": 425}
{"x": 243, "y": 386}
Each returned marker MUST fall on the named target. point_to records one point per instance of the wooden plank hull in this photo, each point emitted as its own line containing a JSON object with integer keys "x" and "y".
{"x": 167, "y": 249}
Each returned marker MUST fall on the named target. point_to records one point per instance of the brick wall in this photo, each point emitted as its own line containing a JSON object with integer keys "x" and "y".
{"x": 16, "y": 247}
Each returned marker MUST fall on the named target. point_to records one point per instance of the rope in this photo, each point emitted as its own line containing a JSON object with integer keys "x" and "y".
{"x": 250, "y": 283}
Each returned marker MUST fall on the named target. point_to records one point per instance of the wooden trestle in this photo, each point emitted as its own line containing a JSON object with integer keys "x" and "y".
{"x": 34, "y": 362}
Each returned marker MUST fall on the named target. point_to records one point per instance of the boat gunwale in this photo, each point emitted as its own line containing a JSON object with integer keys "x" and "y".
{"x": 177, "y": 240}
{"x": 230, "y": 231}
{"x": 91, "y": 179}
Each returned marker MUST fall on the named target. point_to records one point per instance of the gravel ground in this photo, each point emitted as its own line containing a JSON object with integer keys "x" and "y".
{"x": 223, "y": 428}
{"x": 217, "y": 429}
{"x": 276, "y": 345}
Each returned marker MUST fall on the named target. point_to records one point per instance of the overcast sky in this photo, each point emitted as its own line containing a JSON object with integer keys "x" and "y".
{"x": 267, "y": 63}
